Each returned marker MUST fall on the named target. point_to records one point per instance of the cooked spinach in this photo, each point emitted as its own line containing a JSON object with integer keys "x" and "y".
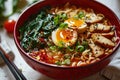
{"x": 48, "y": 24}
{"x": 40, "y": 27}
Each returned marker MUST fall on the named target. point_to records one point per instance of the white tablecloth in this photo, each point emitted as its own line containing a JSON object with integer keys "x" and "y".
{"x": 112, "y": 71}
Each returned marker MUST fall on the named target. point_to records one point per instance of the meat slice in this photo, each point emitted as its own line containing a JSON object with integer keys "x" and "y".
{"x": 103, "y": 41}
{"x": 108, "y": 35}
{"x": 96, "y": 49}
{"x": 93, "y": 18}
{"x": 98, "y": 27}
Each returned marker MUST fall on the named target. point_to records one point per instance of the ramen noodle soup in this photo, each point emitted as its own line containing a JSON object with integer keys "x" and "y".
{"x": 68, "y": 36}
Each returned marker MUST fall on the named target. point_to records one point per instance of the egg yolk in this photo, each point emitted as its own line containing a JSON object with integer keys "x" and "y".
{"x": 74, "y": 22}
{"x": 64, "y": 35}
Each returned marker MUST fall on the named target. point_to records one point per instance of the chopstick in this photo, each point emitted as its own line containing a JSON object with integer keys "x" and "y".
{"x": 13, "y": 68}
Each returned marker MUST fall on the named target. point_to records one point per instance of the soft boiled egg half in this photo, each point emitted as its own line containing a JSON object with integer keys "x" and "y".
{"x": 64, "y": 37}
{"x": 78, "y": 24}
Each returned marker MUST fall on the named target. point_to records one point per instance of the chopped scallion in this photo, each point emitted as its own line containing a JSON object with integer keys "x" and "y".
{"x": 66, "y": 61}
{"x": 80, "y": 48}
{"x": 81, "y": 14}
{"x": 53, "y": 47}
{"x": 63, "y": 25}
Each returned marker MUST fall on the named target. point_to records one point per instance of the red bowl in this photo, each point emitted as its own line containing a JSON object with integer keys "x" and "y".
{"x": 67, "y": 73}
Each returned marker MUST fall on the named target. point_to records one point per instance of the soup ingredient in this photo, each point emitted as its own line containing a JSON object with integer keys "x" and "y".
{"x": 76, "y": 24}
{"x": 96, "y": 49}
{"x": 93, "y": 18}
{"x": 99, "y": 27}
{"x": 64, "y": 37}
{"x": 103, "y": 41}
{"x": 59, "y": 18}
{"x": 42, "y": 56}
{"x": 108, "y": 35}
{"x": 36, "y": 31}
{"x": 9, "y": 25}
{"x": 81, "y": 14}
{"x": 81, "y": 47}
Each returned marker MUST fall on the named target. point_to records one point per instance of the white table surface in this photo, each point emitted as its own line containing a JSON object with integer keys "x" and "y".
{"x": 31, "y": 74}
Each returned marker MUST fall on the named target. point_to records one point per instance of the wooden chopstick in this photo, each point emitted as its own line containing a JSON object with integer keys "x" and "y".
{"x": 13, "y": 68}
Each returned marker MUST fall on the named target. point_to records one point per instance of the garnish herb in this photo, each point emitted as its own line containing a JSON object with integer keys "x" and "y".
{"x": 58, "y": 62}
{"x": 63, "y": 25}
{"x": 80, "y": 48}
{"x": 53, "y": 48}
{"x": 63, "y": 16}
{"x": 66, "y": 61}
{"x": 59, "y": 18}
{"x": 85, "y": 44}
{"x": 61, "y": 43}
{"x": 70, "y": 48}
{"x": 81, "y": 15}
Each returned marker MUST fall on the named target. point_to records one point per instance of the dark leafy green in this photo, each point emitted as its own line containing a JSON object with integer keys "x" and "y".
{"x": 40, "y": 27}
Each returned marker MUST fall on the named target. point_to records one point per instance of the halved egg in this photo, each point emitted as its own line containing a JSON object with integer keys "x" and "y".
{"x": 64, "y": 37}
{"x": 76, "y": 24}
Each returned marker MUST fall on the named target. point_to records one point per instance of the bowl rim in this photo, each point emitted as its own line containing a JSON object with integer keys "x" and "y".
{"x": 56, "y": 66}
